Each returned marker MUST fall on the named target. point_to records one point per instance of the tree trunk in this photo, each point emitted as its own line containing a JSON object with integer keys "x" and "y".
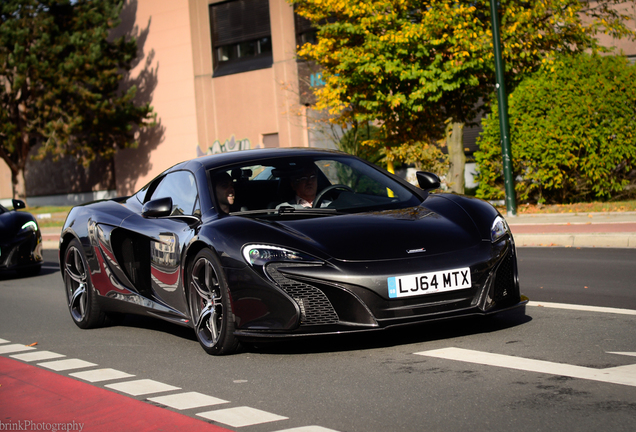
{"x": 457, "y": 158}
{"x": 19, "y": 184}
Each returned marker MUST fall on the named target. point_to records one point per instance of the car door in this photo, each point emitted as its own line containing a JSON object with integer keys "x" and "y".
{"x": 154, "y": 245}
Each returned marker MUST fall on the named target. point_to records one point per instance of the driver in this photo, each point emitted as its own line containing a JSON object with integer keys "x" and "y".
{"x": 305, "y": 185}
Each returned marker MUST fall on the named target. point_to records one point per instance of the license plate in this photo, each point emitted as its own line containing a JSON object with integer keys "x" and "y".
{"x": 429, "y": 283}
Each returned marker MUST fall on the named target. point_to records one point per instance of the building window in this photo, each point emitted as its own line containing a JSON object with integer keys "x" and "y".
{"x": 305, "y": 32}
{"x": 241, "y": 36}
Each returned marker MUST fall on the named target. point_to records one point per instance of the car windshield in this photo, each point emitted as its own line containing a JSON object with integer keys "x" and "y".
{"x": 324, "y": 185}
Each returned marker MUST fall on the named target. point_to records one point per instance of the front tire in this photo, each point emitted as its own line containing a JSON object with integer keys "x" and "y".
{"x": 80, "y": 295}
{"x": 210, "y": 307}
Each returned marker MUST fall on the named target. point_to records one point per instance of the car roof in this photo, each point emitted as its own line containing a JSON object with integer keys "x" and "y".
{"x": 243, "y": 156}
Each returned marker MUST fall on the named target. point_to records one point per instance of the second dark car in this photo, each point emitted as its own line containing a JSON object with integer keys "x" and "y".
{"x": 20, "y": 240}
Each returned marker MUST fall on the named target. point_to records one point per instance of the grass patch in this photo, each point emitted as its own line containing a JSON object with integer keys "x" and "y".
{"x": 50, "y": 216}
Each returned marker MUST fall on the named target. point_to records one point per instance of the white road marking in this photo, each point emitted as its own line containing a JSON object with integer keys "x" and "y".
{"x": 38, "y": 355}
{"x": 3, "y": 341}
{"x": 583, "y": 308}
{"x": 187, "y": 400}
{"x": 8, "y": 349}
{"x": 241, "y": 416}
{"x": 62, "y": 365}
{"x": 308, "y": 429}
{"x": 625, "y": 375}
{"x": 98, "y": 375}
{"x": 633, "y": 354}
{"x": 142, "y": 387}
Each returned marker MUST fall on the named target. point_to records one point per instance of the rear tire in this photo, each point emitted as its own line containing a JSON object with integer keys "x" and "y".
{"x": 210, "y": 307}
{"x": 80, "y": 294}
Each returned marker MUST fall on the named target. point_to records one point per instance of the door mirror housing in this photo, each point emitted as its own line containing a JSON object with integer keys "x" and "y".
{"x": 428, "y": 181}
{"x": 18, "y": 204}
{"x": 160, "y": 207}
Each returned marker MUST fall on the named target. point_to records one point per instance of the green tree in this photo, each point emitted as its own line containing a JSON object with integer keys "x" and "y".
{"x": 410, "y": 65}
{"x": 574, "y": 124}
{"x": 353, "y": 142}
{"x": 60, "y": 77}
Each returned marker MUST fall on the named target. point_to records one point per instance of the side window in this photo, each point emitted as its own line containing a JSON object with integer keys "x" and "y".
{"x": 182, "y": 188}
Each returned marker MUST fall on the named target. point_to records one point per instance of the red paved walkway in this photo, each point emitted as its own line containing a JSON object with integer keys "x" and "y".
{"x": 616, "y": 227}
{"x": 36, "y": 399}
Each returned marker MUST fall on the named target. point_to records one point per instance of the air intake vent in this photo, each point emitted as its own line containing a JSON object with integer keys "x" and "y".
{"x": 504, "y": 280}
{"x": 314, "y": 305}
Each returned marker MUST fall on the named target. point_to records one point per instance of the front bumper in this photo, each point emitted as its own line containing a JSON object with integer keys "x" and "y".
{"x": 350, "y": 297}
{"x": 23, "y": 252}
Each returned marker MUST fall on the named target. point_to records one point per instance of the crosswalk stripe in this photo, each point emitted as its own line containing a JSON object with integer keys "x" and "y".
{"x": 98, "y": 375}
{"x": 241, "y": 416}
{"x": 142, "y": 387}
{"x": 37, "y": 355}
{"x": 68, "y": 364}
{"x": 8, "y": 349}
{"x": 187, "y": 400}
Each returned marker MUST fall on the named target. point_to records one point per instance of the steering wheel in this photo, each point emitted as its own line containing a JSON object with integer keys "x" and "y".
{"x": 328, "y": 189}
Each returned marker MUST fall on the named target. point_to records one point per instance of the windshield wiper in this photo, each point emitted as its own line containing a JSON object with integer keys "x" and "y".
{"x": 287, "y": 210}
{"x": 254, "y": 212}
{"x": 306, "y": 210}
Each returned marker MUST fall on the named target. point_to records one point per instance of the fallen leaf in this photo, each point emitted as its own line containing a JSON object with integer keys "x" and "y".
{"x": 585, "y": 287}
{"x": 33, "y": 344}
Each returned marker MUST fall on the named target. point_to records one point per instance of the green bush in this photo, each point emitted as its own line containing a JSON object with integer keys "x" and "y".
{"x": 573, "y": 133}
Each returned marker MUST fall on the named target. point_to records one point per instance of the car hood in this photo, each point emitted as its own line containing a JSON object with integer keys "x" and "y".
{"x": 389, "y": 234}
{"x": 10, "y": 223}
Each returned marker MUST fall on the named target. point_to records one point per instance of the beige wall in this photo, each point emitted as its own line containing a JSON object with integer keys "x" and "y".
{"x": 5, "y": 181}
{"x": 247, "y": 106}
{"x": 195, "y": 110}
{"x": 167, "y": 56}
{"x": 625, "y": 46}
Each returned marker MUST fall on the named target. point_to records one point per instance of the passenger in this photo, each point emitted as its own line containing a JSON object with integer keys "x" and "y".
{"x": 224, "y": 191}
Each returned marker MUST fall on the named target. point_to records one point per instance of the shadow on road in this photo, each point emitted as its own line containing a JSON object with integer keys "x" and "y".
{"x": 406, "y": 335}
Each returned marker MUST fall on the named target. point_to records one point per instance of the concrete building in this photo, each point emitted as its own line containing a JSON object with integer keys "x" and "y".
{"x": 221, "y": 76}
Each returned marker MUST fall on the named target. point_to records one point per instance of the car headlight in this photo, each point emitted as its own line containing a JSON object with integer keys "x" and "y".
{"x": 29, "y": 226}
{"x": 258, "y": 255}
{"x": 499, "y": 229}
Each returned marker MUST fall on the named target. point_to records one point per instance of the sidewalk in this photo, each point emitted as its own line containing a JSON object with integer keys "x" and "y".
{"x": 617, "y": 230}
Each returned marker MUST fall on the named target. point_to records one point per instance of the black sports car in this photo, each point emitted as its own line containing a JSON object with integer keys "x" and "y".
{"x": 20, "y": 240}
{"x": 277, "y": 243}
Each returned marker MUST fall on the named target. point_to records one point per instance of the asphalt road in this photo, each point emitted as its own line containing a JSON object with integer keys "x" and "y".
{"x": 439, "y": 376}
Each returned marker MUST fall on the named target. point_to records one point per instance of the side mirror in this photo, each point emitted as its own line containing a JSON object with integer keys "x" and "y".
{"x": 161, "y": 207}
{"x": 18, "y": 204}
{"x": 428, "y": 181}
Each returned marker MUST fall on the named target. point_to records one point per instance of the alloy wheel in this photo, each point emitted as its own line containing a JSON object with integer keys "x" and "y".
{"x": 206, "y": 302}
